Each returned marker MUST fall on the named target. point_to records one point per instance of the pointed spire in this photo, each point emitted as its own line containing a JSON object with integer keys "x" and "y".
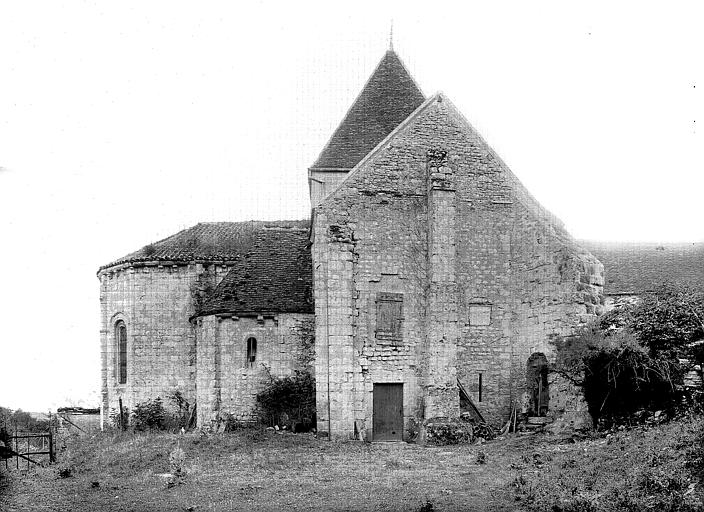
{"x": 391, "y": 36}
{"x": 389, "y": 96}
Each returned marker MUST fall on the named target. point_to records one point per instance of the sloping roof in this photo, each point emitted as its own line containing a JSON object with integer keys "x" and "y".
{"x": 389, "y": 96}
{"x": 640, "y": 267}
{"x": 275, "y": 276}
{"x": 206, "y": 241}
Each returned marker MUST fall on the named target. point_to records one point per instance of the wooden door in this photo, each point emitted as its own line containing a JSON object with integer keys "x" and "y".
{"x": 388, "y": 412}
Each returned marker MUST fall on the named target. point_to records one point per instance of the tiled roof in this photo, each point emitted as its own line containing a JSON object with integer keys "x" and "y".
{"x": 207, "y": 241}
{"x": 276, "y": 276}
{"x": 639, "y": 267}
{"x": 389, "y": 96}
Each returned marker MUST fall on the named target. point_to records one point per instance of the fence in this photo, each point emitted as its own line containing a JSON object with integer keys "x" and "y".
{"x": 27, "y": 446}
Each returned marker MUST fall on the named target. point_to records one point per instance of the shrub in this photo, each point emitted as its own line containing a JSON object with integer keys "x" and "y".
{"x": 177, "y": 458}
{"x": 149, "y": 250}
{"x": 617, "y": 374}
{"x": 667, "y": 320}
{"x": 621, "y": 380}
{"x": 427, "y": 507}
{"x": 4, "y": 435}
{"x": 64, "y": 471}
{"x": 184, "y": 414}
{"x": 288, "y": 400}
{"x": 149, "y": 415}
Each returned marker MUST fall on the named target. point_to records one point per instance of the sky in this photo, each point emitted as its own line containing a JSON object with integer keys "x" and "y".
{"x": 124, "y": 122}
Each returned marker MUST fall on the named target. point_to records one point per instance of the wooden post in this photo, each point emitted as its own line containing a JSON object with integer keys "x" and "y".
{"x": 52, "y": 454}
{"x": 122, "y": 417}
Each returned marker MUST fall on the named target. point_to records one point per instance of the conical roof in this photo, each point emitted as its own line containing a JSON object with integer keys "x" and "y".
{"x": 389, "y": 96}
{"x": 207, "y": 241}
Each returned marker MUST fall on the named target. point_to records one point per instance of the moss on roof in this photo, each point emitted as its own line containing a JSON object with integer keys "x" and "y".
{"x": 206, "y": 241}
{"x": 275, "y": 276}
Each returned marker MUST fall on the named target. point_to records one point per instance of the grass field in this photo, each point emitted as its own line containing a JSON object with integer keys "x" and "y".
{"x": 638, "y": 469}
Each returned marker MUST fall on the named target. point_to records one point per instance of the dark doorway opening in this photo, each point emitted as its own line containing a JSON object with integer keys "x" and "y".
{"x": 388, "y": 412}
{"x": 538, "y": 386}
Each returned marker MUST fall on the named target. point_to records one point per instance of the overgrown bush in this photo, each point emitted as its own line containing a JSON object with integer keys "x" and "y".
{"x": 629, "y": 359}
{"x": 622, "y": 378}
{"x": 184, "y": 414}
{"x": 617, "y": 374}
{"x": 288, "y": 401}
{"x": 668, "y": 320}
{"x": 149, "y": 415}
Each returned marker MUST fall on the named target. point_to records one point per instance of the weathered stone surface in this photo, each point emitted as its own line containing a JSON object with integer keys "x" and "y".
{"x": 227, "y": 383}
{"x": 155, "y": 303}
{"x": 434, "y": 214}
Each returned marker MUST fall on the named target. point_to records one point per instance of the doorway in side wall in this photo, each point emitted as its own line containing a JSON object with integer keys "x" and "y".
{"x": 537, "y": 382}
{"x": 387, "y": 421}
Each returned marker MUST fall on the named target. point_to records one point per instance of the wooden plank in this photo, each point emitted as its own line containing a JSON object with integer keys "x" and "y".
{"x": 25, "y": 436}
{"x": 465, "y": 395}
{"x": 388, "y": 412}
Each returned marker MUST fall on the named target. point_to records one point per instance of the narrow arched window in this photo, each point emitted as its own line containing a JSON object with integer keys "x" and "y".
{"x": 121, "y": 342}
{"x": 251, "y": 351}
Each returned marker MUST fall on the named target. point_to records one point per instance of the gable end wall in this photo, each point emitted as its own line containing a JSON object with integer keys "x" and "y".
{"x": 384, "y": 230}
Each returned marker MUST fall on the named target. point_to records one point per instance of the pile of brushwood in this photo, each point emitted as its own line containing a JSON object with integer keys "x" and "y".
{"x": 447, "y": 431}
{"x": 634, "y": 358}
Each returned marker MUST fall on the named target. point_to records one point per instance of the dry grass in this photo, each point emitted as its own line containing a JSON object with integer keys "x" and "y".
{"x": 268, "y": 471}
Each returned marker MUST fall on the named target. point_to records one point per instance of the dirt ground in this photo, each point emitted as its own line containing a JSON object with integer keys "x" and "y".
{"x": 255, "y": 470}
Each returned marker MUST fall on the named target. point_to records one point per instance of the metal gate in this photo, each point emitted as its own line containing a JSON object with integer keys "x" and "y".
{"x": 28, "y": 447}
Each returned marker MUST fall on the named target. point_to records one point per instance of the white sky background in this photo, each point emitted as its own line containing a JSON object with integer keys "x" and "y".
{"x": 124, "y": 122}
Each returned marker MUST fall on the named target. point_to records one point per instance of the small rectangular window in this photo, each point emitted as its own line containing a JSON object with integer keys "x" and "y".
{"x": 389, "y": 316}
{"x": 479, "y": 314}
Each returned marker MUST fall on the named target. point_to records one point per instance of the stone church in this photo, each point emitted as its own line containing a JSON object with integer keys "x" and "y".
{"x": 427, "y": 281}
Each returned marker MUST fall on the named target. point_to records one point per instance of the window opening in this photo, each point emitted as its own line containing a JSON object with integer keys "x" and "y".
{"x": 251, "y": 351}
{"x": 389, "y": 316}
{"x": 121, "y": 335}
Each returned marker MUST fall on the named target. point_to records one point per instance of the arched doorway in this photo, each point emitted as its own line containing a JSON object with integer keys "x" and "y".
{"x": 537, "y": 383}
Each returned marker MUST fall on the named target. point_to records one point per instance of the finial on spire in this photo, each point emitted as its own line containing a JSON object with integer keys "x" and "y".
{"x": 391, "y": 36}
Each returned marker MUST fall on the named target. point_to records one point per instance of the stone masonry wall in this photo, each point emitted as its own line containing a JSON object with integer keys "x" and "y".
{"x": 490, "y": 257}
{"x": 226, "y": 382}
{"x": 155, "y": 302}
{"x": 322, "y": 183}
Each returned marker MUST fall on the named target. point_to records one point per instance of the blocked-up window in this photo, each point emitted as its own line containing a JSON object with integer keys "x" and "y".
{"x": 121, "y": 342}
{"x": 251, "y": 351}
{"x": 389, "y": 316}
{"x": 479, "y": 314}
